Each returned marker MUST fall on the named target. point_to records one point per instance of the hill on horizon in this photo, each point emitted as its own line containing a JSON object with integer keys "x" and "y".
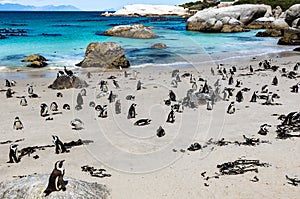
{"x": 20, "y": 7}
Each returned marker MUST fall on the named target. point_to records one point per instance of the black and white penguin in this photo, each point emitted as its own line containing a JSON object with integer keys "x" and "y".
{"x": 174, "y": 83}
{"x": 171, "y": 116}
{"x": 66, "y": 107}
{"x": 68, "y": 72}
{"x": 125, "y": 74}
{"x": 83, "y": 92}
{"x": 265, "y": 89}
{"x": 238, "y": 83}
{"x": 102, "y": 110}
{"x": 270, "y": 99}
{"x": 160, "y": 132}
{"x": 275, "y": 81}
{"x": 212, "y": 71}
{"x": 226, "y": 94}
{"x": 77, "y": 124}
{"x": 53, "y": 106}
{"x": 174, "y": 73}
{"x": 18, "y": 124}
{"x": 239, "y": 96}
{"x": 9, "y": 93}
{"x": 131, "y": 111}
{"x": 142, "y": 122}
{"x": 111, "y": 97}
{"x": 139, "y": 85}
{"x": 130, "y": 97}
{"x": 92, "y": 104}
{"x": 79, "y": 99}
{"x": 13, "y": 154}
{"x": 178, "y": 78}
{"x": 296, "y": 66}
{"x": 172, "y": 96}
{"x": 295, "y": 88}
{"x": 251, "y": 69}
{"x": 103, "y": 86}
{"x": 234, "y": 69}
{"x": 205, "y": 88}
{"x": 44, "y": 110}
{"x": 209, "y": 105}
{"x": 7, "y": 83}
{"x": 56, "y": 181}
{"x": 89, "y": 75}
{"x": 13, "y": 83}
{"x": 59, "y": 94}
{"x": 288, "y": 120}
{"x": 118, "y": 107}
{"x": 264, "y": 129}
{"x": 23, "y": 101}
{"x": 230, "y": 80}
{"x": 116, "y": 84}
{"x": 231, "y": 108}
{"x": 59, "y": 146}
{"x": 30, "y": 90}
{"x": 254, "y": 97}
{"x": 194, "y": 86}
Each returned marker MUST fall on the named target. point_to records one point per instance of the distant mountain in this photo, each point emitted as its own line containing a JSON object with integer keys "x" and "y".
{"x": 20, "y": 7}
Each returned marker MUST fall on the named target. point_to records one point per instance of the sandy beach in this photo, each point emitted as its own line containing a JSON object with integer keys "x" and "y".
{"x": 142, "y": 165}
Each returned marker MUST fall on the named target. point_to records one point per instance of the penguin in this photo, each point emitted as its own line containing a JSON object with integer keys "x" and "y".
{"x": 111, "y": 98}
{"x": 131, "y": 111}
{"x": 23, "y": 101}
{"x": 212, "y": 71}
{"x": 264, "y": 129}
{"x": 56, "y": 181}
{"x": 275, "y": 81}
{"x": 270, "y": 99}
{"x": 30, "y": 90}
{"x": 234, "y": 69}
{"x": 238, "y": 83}
{"x": 231, "y": 108}
{"x": 174, "y": 83}
{"x": 103, "y": 86}
{"x": 289, "y": 118}
{"x": 174, "y": 73}
{"x": 225, "y": 95}
{"x": 59, "y": 94}
{"x": 116, "y": 84}
{"x": 251, "y": 69}
{"x": 59, "y": 146}
{"x": 68, "y": 72}
{"x": 102, "y": 111}
{"x": 296, "y": 66}
{"x": 44, "y": 110}
{"x": 224, "y": 71}
{"x": 178, "y": 78}
{"x": 139, "y": 85}
{"x": 66, "y": 107}
{"x": 13, "y": 83}
{"x": 7, "y": 83}
{"x": 178, "y": 107}
{"x": 13, "y": 154}
{"x": 172, "y": 96}
{"x": 53, "y": 106}
{"x": 18, "y": 124}
{"x": 92, "y": 104}
{"x": 295, "y": 88}
{"x": 125, "y": 74}
{"x": 160, "y": 132}
{"x": 79, "y": 99}
{"x": 142, "y": 122}
{"x": 209, "y": 105}
{"x": 83, "y": 92}
{"x": 265, "y": 89}
{"x": 230, "y": 80}
{"x": 254, "y": 97}
{"x": 77, "y": 124}
{"x": 61, "y": 73}
{"x": 205, "y": 88}
{"x": 167, "y": 102}
{"x": 171, "y": 116}
{"x": 9, "y": 93}
{"x": 118, "y": 107}
{"x": 192, "y": 79}
{"x": 194, "y": 86}
{"x": 89, "y": 75}
{"x": 239, "y": 96}
{"x": 130, "y": 97}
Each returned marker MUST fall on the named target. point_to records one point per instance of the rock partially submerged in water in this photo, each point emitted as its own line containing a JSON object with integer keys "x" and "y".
{"x": 159, "y": 46}
{"x": 66, "y": 82}
{"x": 33, "y": 186}
{"x": 37, "y": 61}
{"x": 137, "y": 31}
{"x": 107, "y": 55}
{"x": 291, "y": 36}
{"x": 269, "y": 33}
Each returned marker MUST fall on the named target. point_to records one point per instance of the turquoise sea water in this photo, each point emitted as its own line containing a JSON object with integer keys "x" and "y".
{"x": 62, "y": 38}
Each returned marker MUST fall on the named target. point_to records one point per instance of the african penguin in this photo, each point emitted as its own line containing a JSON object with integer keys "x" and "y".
{"x": 66, "y": 107}
{"x": 142, "y": 122}
{"x": 59, "y": 146}
{"x": 131, "y": 111}
{"x": 56, "y": 181}
{"x": 275, "y": 81}
{"x": 160, "y": 132}
{"x": 172, "y": 96}
{"x": 30, "y": 90}
{"x": 171, "y": 116}
{"x": 9, "y": 93}
{"x": 13, "y": 154}
{"x": 77, "y": 124}
{"x": 18, "y": 124}
{"x": 139, "y": 85}
{"x": 83, "y": 92}
{"x": 53, "y": 106}
{"x": 254, "y": 97}
{"x": 239, "y": 96}
{"x": 44, "y": 110}
{"x": 231, "y": 108}
{"x": 118, "y": 107}
{"x": 23, "y": 101}
{"x": 116, "y": 84}
{"x": 264, "y": 129}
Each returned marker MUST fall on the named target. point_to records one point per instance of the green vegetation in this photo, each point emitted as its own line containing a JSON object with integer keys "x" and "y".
{"x": 284, "y": 4}
{"x": 198, "y": 5}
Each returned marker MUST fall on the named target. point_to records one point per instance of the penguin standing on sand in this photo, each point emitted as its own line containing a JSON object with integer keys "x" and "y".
{"x": 275, "y": 81}
{"x": 116, "y": 84}
{"x": 231, "y": 108}
{"x": 102, "y": 111}
{"x": 23, "y": 101}
{"x": 118, "y": 107}
{"x": 264, "y": 129}
{"x": 56, "y": 181}
{"x": 254, "y": 97}
{"x": 9, "y": 93}
{"x": 66, "y": 107}
{"x": 230, "y": 80}
{"x": 239, "y": 96}
{"x": 53, "y": 106}
{"x": 265, "y": 89}
{"x": 83, "y": 92}
{"x": 30, "y": 90}
{"x": 251, "y": 69}
{"x": 59, "y": 146}
{"x": 13, "y": 154}
{"x": 44, "y": 110}
{"x": 139, "y": 85}
{"x": 131, "y": 111}
{"x": 18, "y": 124}
{"x": 77, "y": 124}
{"x": 209, "y": 105}
{"x": 79, "y": 99}
{"x": 111, "y": 98}
{"x": 172, "y": 96}
{"x": 270, "y": 99}
{"x": 7, "y": 83}
{"x": 171, "y": 116}
{"x": 160, "y": 132}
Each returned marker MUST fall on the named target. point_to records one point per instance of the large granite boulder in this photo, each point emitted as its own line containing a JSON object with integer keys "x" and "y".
{"x": 33, "y": 186}
{"x": 269, "y": 33}
{"x": 233, "y": 18}
{"x": 36, "y": 61}
{"x": 159, "y": 46}
{"x": 291, "y": 36}
{"x": 292, "y": 13}
{"x": 261, "y": 23}
{"x": 66, "y": 82}
{"x": 137, "y": 31}
{"x": 279, "y": 24}
{"x": 107, "y": 55}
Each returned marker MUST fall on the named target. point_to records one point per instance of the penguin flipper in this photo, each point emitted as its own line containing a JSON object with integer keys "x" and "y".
{"x": 61, "y": 183}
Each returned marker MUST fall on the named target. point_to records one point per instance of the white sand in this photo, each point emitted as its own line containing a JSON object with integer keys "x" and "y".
{"x": 143, "y": 165}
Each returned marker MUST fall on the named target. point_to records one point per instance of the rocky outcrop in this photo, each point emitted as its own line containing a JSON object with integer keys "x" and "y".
{"x": 107, "y": 55}
{"x": 292, "y": 14}
{"x": 36, "y": 61}
{"x": 279, "y": 24}
{"x": 137, "y": 31}
{"x": 66, "y": 82}
{"x": 291, "y": 36}
{"x": 151, "y": 10}
{"x": 226, "y": 19}
{"x": 261, "y": 23}
{"x": 159, "y": 46}
{"x": 297, "y": 49}
{"x": 33, "y": 186}
{"x": 269, "y": 33}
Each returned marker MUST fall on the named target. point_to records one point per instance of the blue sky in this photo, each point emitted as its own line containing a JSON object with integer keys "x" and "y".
{"x": 94, "y": 4}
